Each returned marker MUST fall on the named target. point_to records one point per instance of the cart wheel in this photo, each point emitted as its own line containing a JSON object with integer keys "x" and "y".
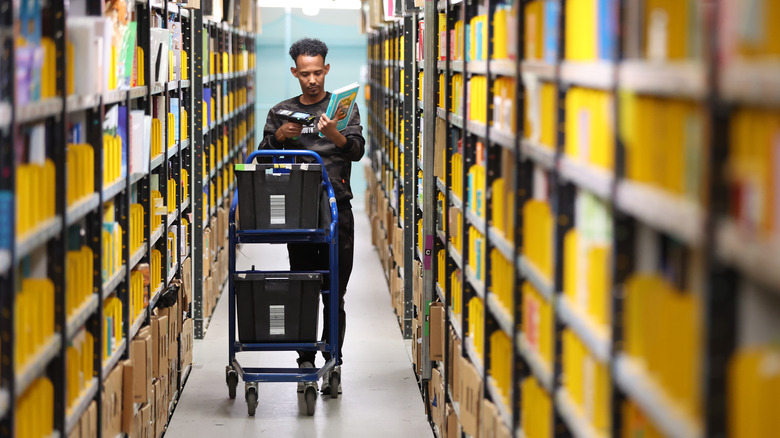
{"x": 311, "y": 398}
{"x": 251, "y": 400}
{"x": 232, "y": 383}
{"x": 335, "y": 380}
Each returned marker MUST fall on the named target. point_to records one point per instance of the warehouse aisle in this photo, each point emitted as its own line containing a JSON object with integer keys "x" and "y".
{"x": 380, "y": 399}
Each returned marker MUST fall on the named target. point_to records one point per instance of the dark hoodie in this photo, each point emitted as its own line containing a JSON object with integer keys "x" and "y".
{"x": 338, "y": 161}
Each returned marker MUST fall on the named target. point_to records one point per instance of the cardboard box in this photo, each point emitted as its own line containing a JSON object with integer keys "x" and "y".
{"x": 437, "y": 398}
{"x": 76, "y": 432}
{"x": 488, "y": 418}
{"x": 453, "y": 423}
{"x": 206, "y": 251}
{"x": 161, "y": 345}
{"x": 207, "y": 283}
{"x": 457, "y": 354}
{"x": 502, "y": 430}
{"x": 141, "y": 355}
{"x": 471, "y": 397}
{"x": 186, "y": 344}
{"x": 436, "y": 331}
{"x": 418, "y": 284}
{"x": 89, "y": 421}
{"x": 416, "y": 339}
{"x": 156, "y": 407}
{"x": 128, "y": 385}
{"x": 186, "y": 281}
{"x": 112, "y": 402}
{"x": 399, "y": 244}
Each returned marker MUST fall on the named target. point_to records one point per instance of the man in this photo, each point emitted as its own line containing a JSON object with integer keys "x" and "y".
{"x": 338, "y": 150}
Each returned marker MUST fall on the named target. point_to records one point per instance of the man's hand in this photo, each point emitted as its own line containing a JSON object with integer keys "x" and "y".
{"x": 288, "y": 130}
{"x": 329, "y": 129}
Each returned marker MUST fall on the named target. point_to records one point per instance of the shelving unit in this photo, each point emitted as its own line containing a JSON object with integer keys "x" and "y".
{"x": 587, "y": 185}
{"x": 117, "y": 223}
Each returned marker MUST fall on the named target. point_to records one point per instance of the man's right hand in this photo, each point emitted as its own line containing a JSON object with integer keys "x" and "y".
{"x": 288, "y": 130}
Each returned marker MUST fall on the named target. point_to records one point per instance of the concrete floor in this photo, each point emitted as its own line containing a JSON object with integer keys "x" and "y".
{"x": 380, "y": 393}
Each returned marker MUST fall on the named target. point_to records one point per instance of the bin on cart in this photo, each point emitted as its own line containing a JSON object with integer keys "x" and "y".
{"x": 278, "y": 311}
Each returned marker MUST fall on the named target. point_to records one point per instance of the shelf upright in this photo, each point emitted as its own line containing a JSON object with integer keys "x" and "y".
{"x": 198, "y": 199}
{"x": 409, "y": 175}
{"x": 8, "y": 14}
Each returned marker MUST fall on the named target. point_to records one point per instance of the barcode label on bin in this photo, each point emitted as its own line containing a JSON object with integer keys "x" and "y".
{"x": 276, "y": 320}
{"x": 277, "y": 210}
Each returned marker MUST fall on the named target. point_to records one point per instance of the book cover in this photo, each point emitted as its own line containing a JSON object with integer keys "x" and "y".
{"x": 341, "y": 103}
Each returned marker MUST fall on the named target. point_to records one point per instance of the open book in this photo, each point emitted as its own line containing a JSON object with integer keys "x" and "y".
{"x": 340, "y": 105}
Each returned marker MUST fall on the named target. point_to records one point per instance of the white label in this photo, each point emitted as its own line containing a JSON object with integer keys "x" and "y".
{"x": 276, "y": 320}
{"x": 277, "y": 210}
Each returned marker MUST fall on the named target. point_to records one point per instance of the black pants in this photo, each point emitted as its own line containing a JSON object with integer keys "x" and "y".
{"x": 304, "y": 257}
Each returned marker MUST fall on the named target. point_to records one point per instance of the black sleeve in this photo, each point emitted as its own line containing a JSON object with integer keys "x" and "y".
{"x": 272, "y": 123}
{"x": 356, "y": 144}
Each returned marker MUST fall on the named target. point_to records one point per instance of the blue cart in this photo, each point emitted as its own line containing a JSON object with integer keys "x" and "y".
{"x": 308, "y": 376}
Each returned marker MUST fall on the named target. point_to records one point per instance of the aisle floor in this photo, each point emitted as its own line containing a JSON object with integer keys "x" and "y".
{"x": 380, "y": 399}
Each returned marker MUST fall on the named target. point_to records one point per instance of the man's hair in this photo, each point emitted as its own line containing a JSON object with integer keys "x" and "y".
{"x": 308, "y": 47}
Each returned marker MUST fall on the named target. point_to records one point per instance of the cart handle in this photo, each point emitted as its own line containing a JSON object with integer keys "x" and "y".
{"x": 334, "y": 211}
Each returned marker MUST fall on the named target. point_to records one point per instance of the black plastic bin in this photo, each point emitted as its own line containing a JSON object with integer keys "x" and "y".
{"x": 278, "y": 196}
{"x": 277, "y": 307}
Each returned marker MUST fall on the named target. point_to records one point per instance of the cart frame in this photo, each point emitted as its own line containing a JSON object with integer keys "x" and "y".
{"x": 309, "y": 376}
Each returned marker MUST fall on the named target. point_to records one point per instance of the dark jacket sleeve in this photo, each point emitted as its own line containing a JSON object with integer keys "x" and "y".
{"x": 272, "y": 123}
{"x": 356, "y": 144}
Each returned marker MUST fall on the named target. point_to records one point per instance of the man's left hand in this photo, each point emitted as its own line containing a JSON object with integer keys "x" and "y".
{"x": 328, "y": 127}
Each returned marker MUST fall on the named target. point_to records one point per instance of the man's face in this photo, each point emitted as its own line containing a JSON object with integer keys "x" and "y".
{"x": 311, "y": 71}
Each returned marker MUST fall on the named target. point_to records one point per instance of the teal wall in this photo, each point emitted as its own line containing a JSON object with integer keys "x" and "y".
{"x": 346, "y": 56}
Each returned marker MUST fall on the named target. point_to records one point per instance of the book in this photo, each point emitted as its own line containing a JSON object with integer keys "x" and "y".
{"x": 341, "y": 103}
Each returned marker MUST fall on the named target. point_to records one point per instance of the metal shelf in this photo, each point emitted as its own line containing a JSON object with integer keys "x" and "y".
{"x": 135, "y": 177}
{"x": 586, "y": 176}
{"x": 114, "y": 96}
{"x": 456, "y": 66}
{"x": 596, "y": 338}
{"x": 476, "y": 284}
{"x": 172, "y": 274}
{"x": 455, "y": 255}
{"x": 478, "y": 129}
{"x": 500, "y": 314}
{"x": 676, "y": 216}
{"x": 441, "y": 113}
{"x": 138, "y": 255}
{"x": 455, "y": 200}
{"x": 37, "y": 237}
{"x": 157, "y": 161}
{"x": 109, "y": 364}
{"x": 36, "y": 365}
{"x": 751, "y": 82}
{"x": 155, "y": 295}
{"x": 157, "y": 234}
{"x": 506, "y": 140}
{"x": 441, "y": 186}
{"x": 77, "y": 103}
{"x": 540, "y": 69}
{"x": 577, "y": 424}
{"x": 82, "y": 207}
{"x": 440, "y": 293}
{"x": 497, "y": 239}
{"x": 35, "y": 111}
{"x": 455, "y": 323}
{"x": 477, "y": 67}
{"x": 173, "y": 216}
{"x": 185, "y": 83}
{"x": 532, "y": 274}
{"x": 468, "y": 347}
{"x": 184, "y": 144}
{"x": 81, "y": 405}
{"x": 498, "y": 400}
{"x": 157, "y": 89}
{"x": 81, "y": 316}
{"x": 185, "y": 204}
{"x": 503, "y": 67}
{"x": 597, "y": 74}
{"x": 476, "y": 221}
{"x": 637, "y": 384}
{"x": 137, "y": 92}
{"x": 5, "y": 261}
{"x": 674, "y": 79}
{"x": 113, "y": 189}
{"x": 539, "y": 368}
{"x": 139, "y": 322}
{"x": 754, "y": 256}
{"x": 111, "y": 285}
{"x": 173, "y": 150}
{"x": 539, "y": 154}
{"x": 456, "y": 120}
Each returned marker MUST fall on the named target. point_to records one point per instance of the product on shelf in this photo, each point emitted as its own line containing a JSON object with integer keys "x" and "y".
{"x": 34, "y": 410}
{"x": 753, "y": 391}
{"x": 476, "y": 99}
{"x": 35, "y": 202}
{"x": 78, "y": 287}
{"x": 537, "y": 323}
{"x": 536, "y": 410}
{"x": 477, "y": 253}
{"x": 541, "y": 112}
{"x": 541, "y": 31}
{"x": 34, "y": 321}
{"x": 590, "y": 129}
{"x": 81, "y": 172}
{"x": 502, "y": 284}
{"x": 591, "y": 29}
{"x": 587, "y": 382}
{"x": 538, "y": 236}
{"x": 137, "y": 304}
{"x": 112, "y": 243}
{"x": 112, "y": 326}
{"x": 80, "y": 361}
{"x": 476, "y": 324}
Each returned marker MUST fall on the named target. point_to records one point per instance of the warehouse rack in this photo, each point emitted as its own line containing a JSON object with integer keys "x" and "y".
{"x": 44, "y": 249}
{"x": 227, "y": 64}
{"x": 561, "y": 229}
